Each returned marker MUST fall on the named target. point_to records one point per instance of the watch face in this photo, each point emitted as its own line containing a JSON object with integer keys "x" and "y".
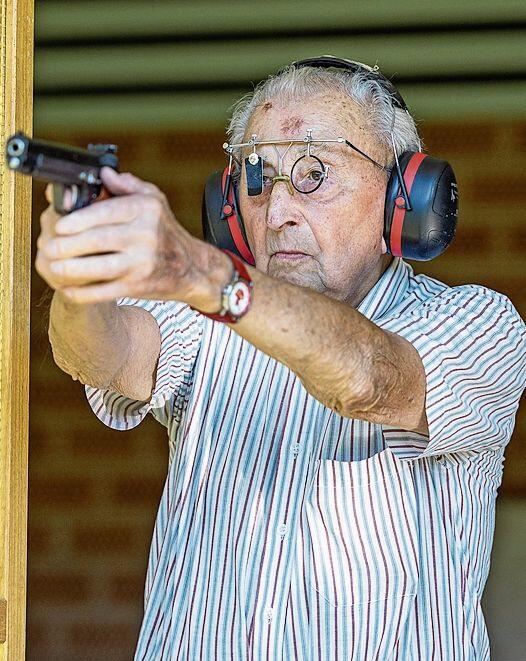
{"x": 239, "y": 298}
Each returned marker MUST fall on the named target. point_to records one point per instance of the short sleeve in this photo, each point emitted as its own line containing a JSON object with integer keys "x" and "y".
{"x": 472, "y": 343}
{"x": 181, "y": 330}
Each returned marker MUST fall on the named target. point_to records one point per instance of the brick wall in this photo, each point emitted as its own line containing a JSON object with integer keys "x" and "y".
{"x": 94, "y": 491}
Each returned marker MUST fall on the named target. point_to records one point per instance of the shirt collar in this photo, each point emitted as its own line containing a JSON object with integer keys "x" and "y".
{"x": 388, "y": 291}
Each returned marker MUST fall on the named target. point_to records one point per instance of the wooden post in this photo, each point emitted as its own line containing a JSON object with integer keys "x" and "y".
{"x": 16, "y": 110}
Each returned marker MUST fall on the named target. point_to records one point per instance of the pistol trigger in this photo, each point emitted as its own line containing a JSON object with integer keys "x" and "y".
{"x": 74, "y": 195}
{"x": 65, "y": 195}
{"x": 58, "y": 198}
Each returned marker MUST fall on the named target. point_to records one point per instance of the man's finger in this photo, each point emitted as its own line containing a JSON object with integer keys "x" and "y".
{"x": 97, "y": 293}
{"x": 67, "y": 200}
{"x": 48, "y": 219}
{"x": 84, "y": 270}
{"x": 115, "y": 211}
{"x": 109, "y": 238}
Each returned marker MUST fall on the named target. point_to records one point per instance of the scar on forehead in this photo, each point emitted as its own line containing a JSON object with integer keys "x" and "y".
{"x": 292, "y": 124}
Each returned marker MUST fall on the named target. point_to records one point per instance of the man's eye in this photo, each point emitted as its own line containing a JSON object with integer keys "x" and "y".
{"x": 267, "y": 180}
{"x": 315, "y": 175}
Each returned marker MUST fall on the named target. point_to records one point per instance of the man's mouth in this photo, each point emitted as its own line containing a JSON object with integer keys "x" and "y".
{"x": 289, "y": 255}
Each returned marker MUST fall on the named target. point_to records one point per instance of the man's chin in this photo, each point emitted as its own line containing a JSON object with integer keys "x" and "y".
{"x": 296, "y": 277}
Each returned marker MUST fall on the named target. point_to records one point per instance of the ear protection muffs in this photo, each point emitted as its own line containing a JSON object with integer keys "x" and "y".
{"x": 426, "y": 230}
{"x": 222, "y": 223}
{"x": 421, "y": 201}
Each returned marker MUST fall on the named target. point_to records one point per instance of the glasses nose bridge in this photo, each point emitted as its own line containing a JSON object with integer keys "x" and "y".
{"x": 282, "y": 178}
{"x": 281, "y": 158}
{"x": 276, "y": 166}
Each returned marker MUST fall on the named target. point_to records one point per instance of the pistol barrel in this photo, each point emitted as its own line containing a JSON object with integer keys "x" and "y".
{"x": 57, "y": 163}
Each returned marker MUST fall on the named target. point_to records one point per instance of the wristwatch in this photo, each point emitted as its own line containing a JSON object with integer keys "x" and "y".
{"x": 236, "y": 296}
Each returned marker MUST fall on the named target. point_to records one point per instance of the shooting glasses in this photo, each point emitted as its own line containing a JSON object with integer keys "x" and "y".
{"x": 308, "y": 171}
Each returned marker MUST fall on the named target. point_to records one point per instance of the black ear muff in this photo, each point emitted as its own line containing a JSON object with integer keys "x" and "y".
{"x": 425, "y": 231}
{"x": 222, "y": 222}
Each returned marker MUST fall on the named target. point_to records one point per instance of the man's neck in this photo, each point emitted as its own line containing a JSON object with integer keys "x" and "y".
{"x": 369, "y": 282}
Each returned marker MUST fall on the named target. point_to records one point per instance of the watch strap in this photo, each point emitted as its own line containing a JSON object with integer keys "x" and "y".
{"x": 240, "y": 272}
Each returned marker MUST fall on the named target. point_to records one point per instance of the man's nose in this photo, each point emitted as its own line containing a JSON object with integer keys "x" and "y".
{"x": 281, "y": 210}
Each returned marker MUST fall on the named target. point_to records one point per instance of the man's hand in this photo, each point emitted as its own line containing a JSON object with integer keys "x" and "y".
{"x": 129, "y": 245}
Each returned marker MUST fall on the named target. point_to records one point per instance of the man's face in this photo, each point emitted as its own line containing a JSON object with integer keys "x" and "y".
{"x": 329, "y": 240}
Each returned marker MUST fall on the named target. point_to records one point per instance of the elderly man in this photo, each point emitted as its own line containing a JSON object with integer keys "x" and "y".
{"x": 335, "y": 452}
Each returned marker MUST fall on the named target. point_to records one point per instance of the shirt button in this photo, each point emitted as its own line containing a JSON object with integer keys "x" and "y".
{"x": 282, "y": 530}
{"x": 296, "y": 449}
{"x": 270, "y": 614}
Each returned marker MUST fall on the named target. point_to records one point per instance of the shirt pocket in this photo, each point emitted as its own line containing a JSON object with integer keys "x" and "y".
{"x": 361, "y": 519}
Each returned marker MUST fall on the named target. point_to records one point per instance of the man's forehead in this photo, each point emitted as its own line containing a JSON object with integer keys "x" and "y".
{"x": 333, "y": 115}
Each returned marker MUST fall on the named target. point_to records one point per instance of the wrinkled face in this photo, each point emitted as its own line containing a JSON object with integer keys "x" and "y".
{"x": 331, "y": 240}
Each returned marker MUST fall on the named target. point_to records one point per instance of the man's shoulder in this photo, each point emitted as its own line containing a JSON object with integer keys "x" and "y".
{"x": 428, "y": 297}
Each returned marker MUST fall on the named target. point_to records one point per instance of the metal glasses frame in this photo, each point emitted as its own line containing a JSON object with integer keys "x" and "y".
{"x": 309, "y": 141}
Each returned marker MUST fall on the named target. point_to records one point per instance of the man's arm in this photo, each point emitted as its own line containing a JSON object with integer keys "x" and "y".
{"x": 343, "y": 359}
{"x": 99, "y": 344}
{"x": 106, "y": 346}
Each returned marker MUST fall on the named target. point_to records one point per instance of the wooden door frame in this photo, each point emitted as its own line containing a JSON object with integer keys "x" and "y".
{"x": 16, "y": 98}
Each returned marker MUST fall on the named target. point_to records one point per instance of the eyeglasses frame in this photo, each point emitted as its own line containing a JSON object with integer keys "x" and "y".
{"x": 309, "y": 141}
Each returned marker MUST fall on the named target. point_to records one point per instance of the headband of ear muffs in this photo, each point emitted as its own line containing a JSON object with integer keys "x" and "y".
{"x": 421, "y": 230}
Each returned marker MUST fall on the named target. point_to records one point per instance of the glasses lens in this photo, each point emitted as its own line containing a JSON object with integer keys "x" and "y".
{"x": 308, "y": 173}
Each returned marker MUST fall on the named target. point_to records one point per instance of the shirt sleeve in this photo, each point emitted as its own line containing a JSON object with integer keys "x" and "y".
{"x": 472, "y": 343}
{"x": 181, "y": 330}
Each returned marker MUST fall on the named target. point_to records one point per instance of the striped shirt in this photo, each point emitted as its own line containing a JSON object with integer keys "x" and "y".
{"x": 286, "y": 531}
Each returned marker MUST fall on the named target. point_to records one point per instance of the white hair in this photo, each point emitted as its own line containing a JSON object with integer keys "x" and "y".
{"x": 384, "y": 118}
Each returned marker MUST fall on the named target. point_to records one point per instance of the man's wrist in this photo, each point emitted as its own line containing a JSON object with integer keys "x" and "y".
{"x": 215, "y": 270}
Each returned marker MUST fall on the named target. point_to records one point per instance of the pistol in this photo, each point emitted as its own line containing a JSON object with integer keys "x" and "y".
{"x": 67, "y": 168}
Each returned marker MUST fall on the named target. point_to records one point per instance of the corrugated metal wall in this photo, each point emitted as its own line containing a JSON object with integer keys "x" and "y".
{"x": 183, "y": 63}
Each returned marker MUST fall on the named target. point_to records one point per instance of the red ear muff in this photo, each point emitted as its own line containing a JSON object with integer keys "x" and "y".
{"x": 221, "y": 218}
{"x": 399, "y": 210}
{"x": 429, "y": 227}
{"x": 233, "y": 217}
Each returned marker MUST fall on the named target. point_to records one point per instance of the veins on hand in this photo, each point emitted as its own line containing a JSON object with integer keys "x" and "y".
{"x": 173, "y": 261}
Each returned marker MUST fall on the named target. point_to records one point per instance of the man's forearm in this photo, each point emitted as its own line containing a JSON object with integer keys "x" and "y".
{"x": 325, "y": 342}
{"x": 343, "y": 359}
